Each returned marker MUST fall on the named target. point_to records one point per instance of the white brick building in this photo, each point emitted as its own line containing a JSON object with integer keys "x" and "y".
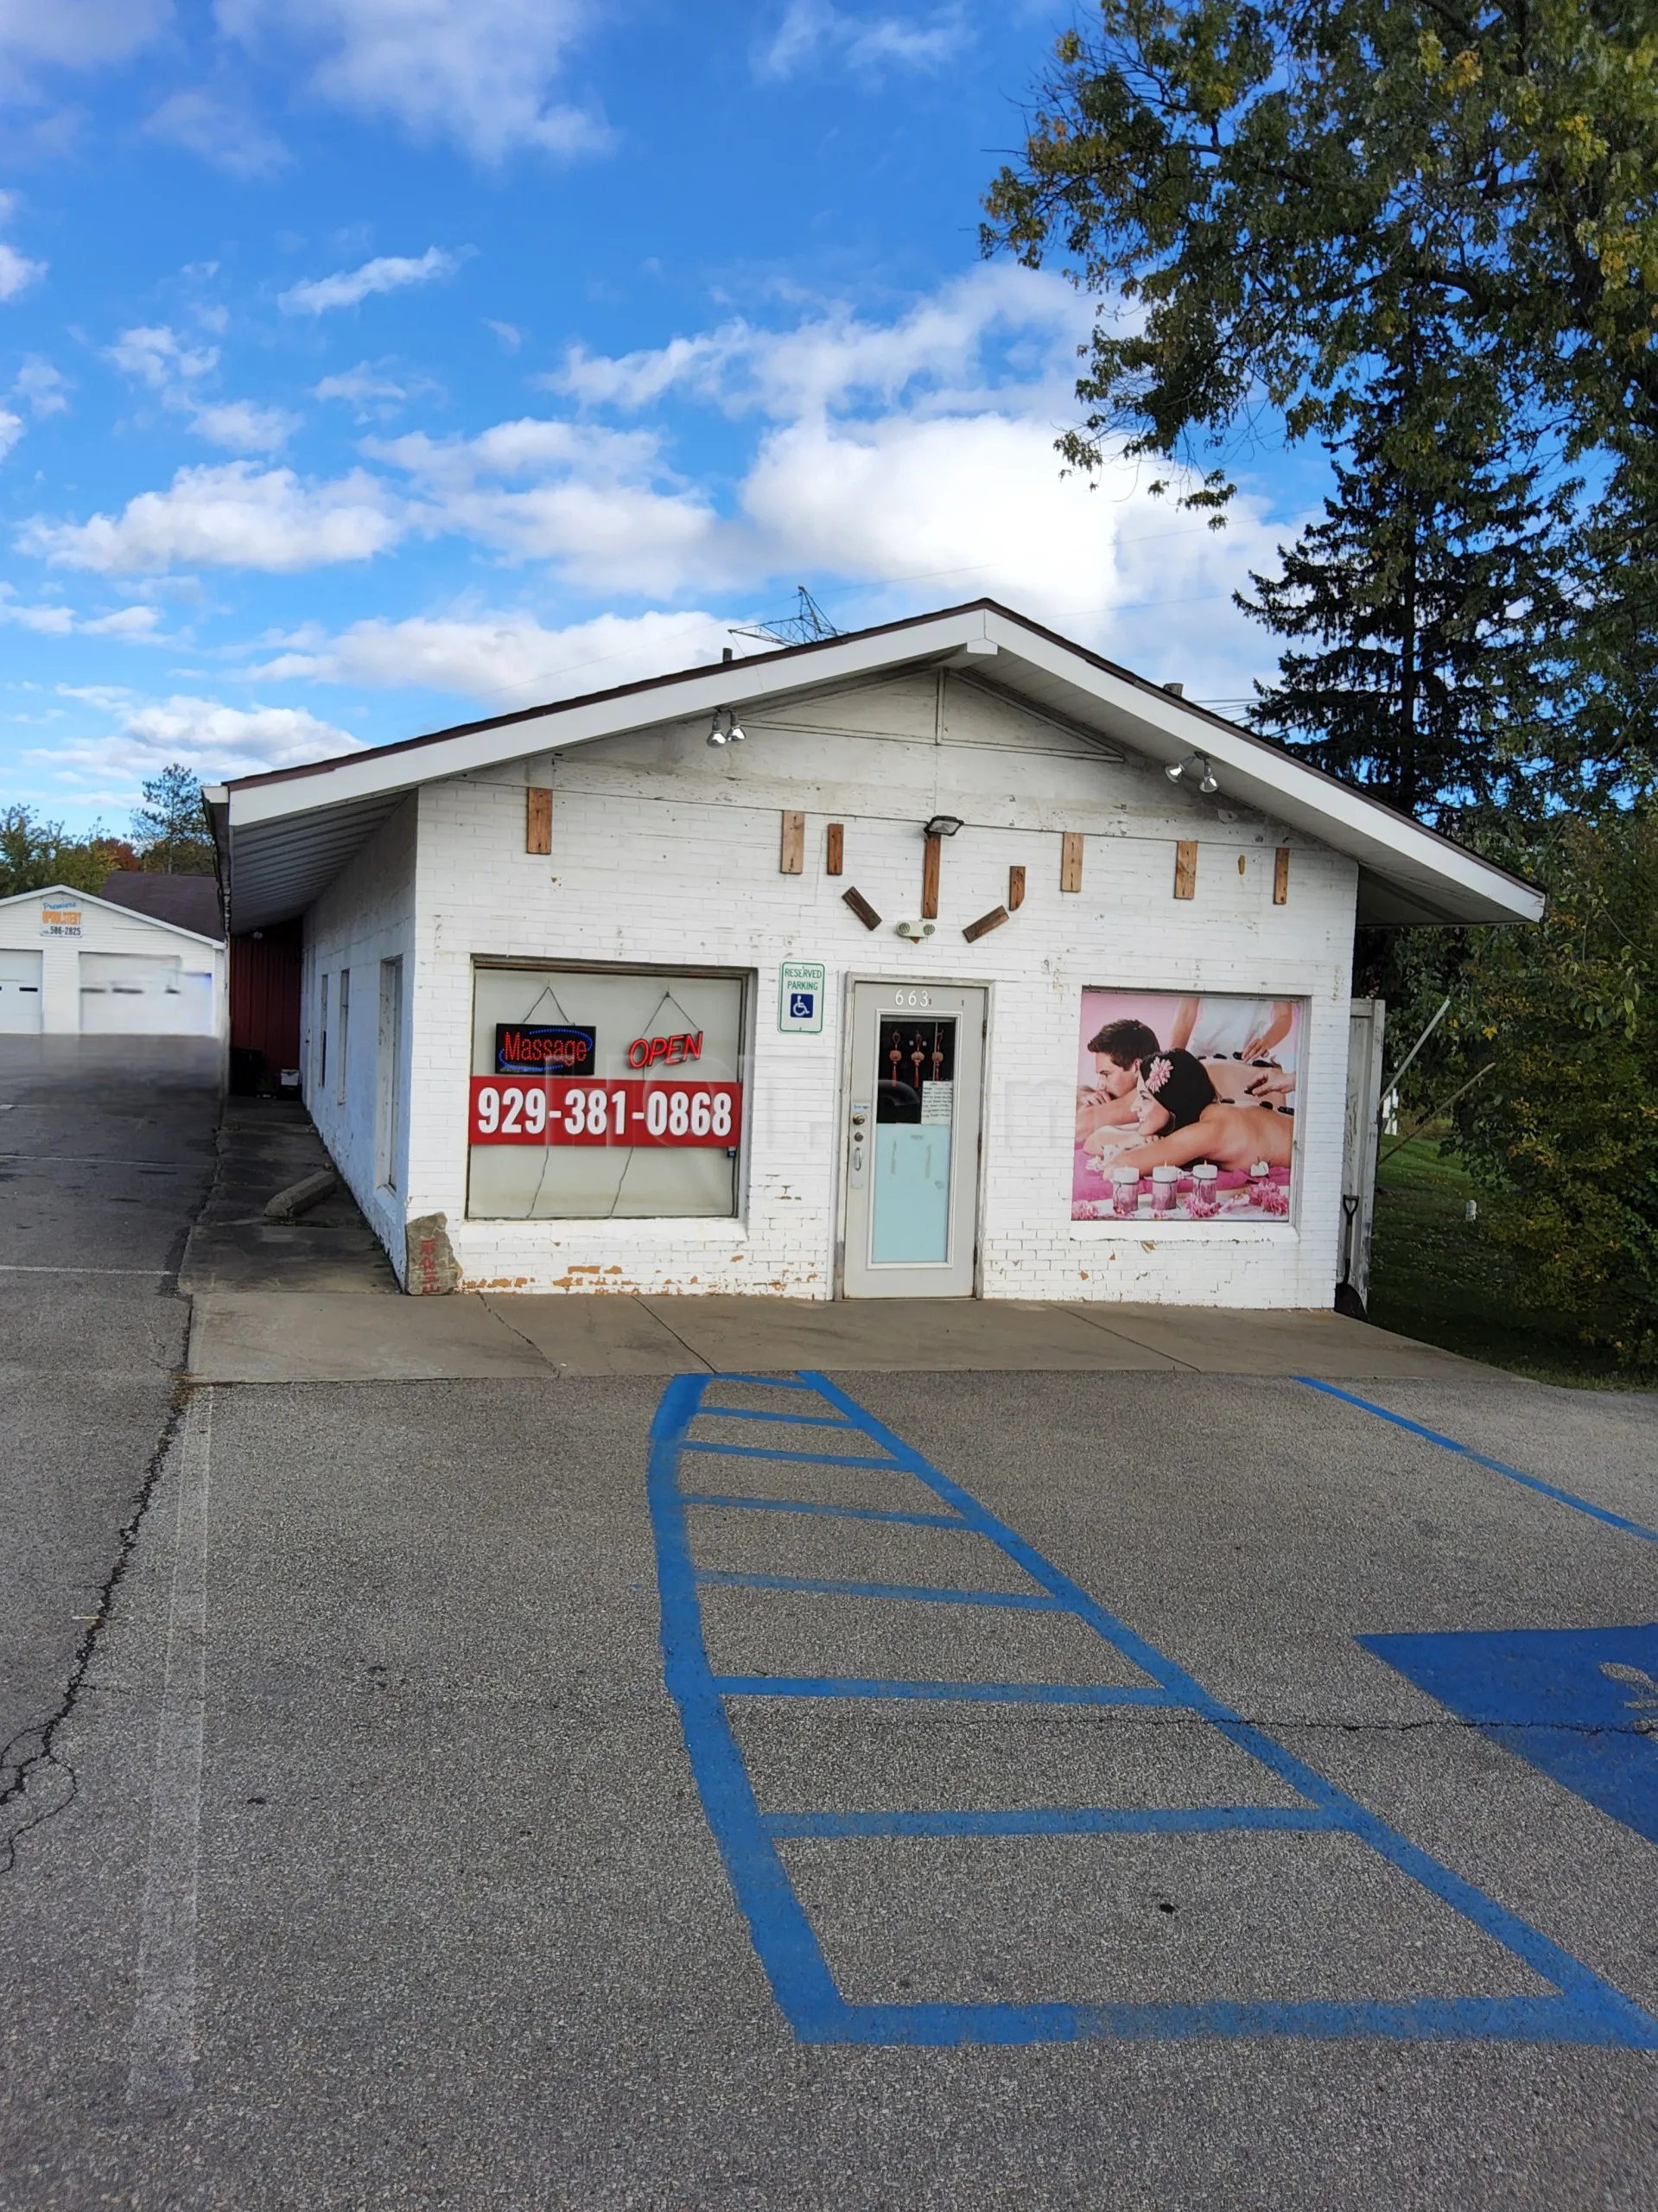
{"x": 581, "y": 914}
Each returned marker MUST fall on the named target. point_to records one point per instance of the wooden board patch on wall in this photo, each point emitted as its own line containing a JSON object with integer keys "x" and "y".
{"x": 1186, "y": 869}
{"x": 537, "y": 820}
{"x": 792, "y": 858}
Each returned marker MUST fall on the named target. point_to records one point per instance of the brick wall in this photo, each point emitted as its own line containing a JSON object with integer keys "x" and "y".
{"x": 666, "y": 850}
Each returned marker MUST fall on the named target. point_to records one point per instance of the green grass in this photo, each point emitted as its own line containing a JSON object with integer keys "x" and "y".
{"x": 1435, "y": 1275}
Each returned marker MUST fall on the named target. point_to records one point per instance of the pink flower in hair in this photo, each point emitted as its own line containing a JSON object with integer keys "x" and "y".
{"x": 1157, "y": 1075}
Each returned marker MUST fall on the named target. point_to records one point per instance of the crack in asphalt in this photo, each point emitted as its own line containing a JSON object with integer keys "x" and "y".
{"x": 33, "y": 1752}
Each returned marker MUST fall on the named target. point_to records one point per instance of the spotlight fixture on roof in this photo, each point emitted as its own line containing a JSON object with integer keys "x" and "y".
{"x": 942, "y": 825}
{"x": 733, "y": 732}
{"x": 1206, "y": 783}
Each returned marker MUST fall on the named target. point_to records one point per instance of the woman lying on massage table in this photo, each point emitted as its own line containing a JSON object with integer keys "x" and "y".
{"x": 1183, "y": 1121}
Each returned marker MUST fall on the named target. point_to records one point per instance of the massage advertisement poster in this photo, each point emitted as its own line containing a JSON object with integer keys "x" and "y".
{"x": 1185, "y": 1108}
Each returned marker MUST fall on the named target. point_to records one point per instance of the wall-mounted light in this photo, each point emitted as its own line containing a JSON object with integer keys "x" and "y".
{"x": 942, "y": 825}
{"x": 733, "y": 732}
{"x": 1206, "y": 784}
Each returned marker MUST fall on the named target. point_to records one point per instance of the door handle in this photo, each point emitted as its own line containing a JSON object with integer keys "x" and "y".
{"x": 859, "y": 1144}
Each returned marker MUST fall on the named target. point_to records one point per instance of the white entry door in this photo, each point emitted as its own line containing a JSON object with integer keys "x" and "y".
{"x": 913, "y": 1140}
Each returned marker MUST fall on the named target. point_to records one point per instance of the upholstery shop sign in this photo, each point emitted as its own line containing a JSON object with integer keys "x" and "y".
{"x": 61, "y": 918}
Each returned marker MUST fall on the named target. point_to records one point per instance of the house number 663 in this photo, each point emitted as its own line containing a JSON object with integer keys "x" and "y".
{"x": 913, "y": 998}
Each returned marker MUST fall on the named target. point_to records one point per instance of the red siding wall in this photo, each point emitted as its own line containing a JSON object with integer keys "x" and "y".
{"x": 264, "y": 995}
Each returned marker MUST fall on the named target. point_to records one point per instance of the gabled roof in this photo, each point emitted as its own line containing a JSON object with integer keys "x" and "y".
{"x": 286, "y": 835}
{"x": 190, "y": 901}
{"x": 110, "y": 906}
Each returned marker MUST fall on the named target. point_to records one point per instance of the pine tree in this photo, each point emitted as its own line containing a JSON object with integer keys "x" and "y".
{"x": 170, "y": 828}
{"x": 1432, "y": 596}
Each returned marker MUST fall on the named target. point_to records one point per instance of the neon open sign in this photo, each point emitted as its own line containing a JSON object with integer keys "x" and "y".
{"x": 670, "y": 1051}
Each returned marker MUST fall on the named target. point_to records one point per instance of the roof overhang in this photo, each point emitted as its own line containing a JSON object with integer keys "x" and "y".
{"x": 284, "y": 836}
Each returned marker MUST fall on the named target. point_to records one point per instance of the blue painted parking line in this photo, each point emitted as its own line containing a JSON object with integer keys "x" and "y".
{"x": 858, "y": 1686}
{"x": 832, "y": 1512}
{"x": 1023, "y": 1601}
{"x": 1058, "y": 1820}
{"x": 761, "y": 1383}
{"x": 1581, "y": 2009}
{"x": 1482, "y": 1459}
{"x": 759, "y": 1412}
{"x": 793, "y": 1458}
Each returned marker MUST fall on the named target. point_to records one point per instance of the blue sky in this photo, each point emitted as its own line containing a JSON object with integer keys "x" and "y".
{"x": 366, "y": 366}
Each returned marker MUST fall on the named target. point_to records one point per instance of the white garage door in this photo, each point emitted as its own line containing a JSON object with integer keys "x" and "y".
{"x": 20, "y": 993}
{"x": 130, "y": 993}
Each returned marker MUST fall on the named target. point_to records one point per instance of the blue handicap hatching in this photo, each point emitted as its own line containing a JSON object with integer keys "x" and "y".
{"x": 1581, "y": 2009}
{"x": 1580, "y": 1703}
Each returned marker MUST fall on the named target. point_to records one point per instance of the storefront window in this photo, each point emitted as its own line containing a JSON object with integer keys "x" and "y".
{"x": 604, "y": 1093}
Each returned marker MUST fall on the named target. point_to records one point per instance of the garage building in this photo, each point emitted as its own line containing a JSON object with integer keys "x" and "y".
{"x": 945, "y": 958}
{"x": 73, "y": 965}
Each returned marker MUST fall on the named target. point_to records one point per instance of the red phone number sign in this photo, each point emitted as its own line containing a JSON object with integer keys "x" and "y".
{"x": 630, "y": 1109}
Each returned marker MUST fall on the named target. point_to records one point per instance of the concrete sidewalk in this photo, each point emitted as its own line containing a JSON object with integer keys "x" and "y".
{"x": 324, "y": 1335}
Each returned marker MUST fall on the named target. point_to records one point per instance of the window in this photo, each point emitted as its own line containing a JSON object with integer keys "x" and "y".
{"x": 390, "y": 1115}
{"x": 605, "y": 1094}
{"x": 342, "y": 1043}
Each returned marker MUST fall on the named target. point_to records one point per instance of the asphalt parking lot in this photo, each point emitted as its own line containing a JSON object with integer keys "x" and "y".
{"x": 878, "y": 1788}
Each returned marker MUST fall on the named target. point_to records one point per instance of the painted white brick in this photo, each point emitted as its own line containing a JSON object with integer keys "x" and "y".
{"x": 666, "y": 851}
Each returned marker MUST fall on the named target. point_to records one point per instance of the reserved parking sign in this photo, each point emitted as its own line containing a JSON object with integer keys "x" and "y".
{"x": 800, "y": 996}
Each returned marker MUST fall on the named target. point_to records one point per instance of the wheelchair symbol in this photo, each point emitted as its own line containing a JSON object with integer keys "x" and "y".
{"x": 800, "y": 1004}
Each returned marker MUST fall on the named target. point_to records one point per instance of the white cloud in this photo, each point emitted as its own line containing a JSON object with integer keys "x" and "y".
{"x": 814, "y": 32}
{"x": 45, "y": 620}
{"x": 503, "y": 660}
{"x": 221, "y": 133}
{"x": 937, "y": 354}
{"x": 348, "y": 287}
{"x": 240, "y": 427}
{"x": 134, "y": 622}
{"x": 596, "y": 502}
{"x": 52, "y": 620}
{"x": 17, "y": 271}
{"x": 72, "y": 35}
{"x": 42, "y": 387}
{"x": 156, "y": 356}
{"x": 509, "y": 333}
{"x": 479, "y": 73}
{"x": 11, "y": 428}
{"x": 205, "y": 734}
{"x": 373, "y": 391}
{"x": 229, "y": 517}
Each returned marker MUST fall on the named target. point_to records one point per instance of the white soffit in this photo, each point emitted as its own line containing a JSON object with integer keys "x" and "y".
{"x": 289, "y": 833}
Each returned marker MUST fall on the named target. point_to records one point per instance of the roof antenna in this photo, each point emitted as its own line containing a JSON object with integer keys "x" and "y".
{"x": 807, "y": 625}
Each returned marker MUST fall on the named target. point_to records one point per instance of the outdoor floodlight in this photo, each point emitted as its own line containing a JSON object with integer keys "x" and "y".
{"x": 942, "y": 825}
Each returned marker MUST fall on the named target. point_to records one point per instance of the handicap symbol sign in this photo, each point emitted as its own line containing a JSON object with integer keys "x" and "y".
{"x": 1581, "y": 1704}
{"x": 800, "y": 996}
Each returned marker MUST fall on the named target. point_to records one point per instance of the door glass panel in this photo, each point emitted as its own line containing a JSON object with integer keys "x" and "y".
{"x": 915, "y": 1116}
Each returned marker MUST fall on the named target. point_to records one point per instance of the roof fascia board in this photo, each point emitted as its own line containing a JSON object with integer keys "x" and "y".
{"x": 728, "y": 683}
{"x": 110, "y": 906}
{"x": 1282, "y": 786}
